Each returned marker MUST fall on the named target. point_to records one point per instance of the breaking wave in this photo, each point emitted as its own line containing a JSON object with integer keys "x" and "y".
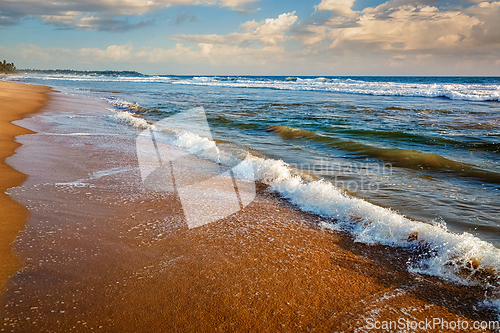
{"x": 461, "y": 258}
{"x": 128, "y": 118}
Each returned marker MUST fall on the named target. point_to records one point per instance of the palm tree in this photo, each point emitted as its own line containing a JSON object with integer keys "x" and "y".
{"x": 6, "y": 67}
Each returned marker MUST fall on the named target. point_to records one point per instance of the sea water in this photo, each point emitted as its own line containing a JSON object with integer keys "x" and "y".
{"x": 404, "y": 161}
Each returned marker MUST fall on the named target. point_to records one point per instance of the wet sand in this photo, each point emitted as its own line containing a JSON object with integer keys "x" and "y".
{"x": 108, "y": 254}
{"x": 16, "y": 101}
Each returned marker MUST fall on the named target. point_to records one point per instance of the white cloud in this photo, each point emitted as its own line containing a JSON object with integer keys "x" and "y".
{"x": 257, "y": 44}
{"x": 411, "y": 28}
{"x": 339, "y": 7}
{"x": 268, "y": 32}
{"x": 122, "y": 53}
{"x": 487, "y": 32}
{"x": 238, "y": 5}
{"x": 126, "y": 55}
{"x": 63, "y": 18}
{"x": 393, "y": 38}
{"x": 401, "y": 26}
{"x": 71, "y": 12}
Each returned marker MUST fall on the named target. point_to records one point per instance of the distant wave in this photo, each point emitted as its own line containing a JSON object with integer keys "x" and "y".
{"x": 452, "y": 91}
{"x": 409, "y": 87}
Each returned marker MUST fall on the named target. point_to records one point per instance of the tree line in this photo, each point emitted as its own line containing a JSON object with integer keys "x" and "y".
{"x": 6, "y": 67}
{"x": 78, "y": 72}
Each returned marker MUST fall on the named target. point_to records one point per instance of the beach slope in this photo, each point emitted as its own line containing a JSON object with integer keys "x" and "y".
{"x": 104, "y": 251}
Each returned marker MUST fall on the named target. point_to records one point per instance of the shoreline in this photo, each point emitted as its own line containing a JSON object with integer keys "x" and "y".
{"x": 100, "y": 255}
{"x": 18, "y": 101}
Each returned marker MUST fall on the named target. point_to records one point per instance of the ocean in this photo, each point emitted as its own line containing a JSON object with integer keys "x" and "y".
{"x": 409, "y": 162}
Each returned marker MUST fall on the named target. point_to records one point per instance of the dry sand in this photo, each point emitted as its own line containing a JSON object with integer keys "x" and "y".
{"x": 125, "y": 261}
{"x": 16, "y": 101}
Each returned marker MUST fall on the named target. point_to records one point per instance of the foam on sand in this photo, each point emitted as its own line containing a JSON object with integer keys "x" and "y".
{"x": 207, "y": 191}
{"x": 129, "y": 118}
{"x": 461, "y": 258}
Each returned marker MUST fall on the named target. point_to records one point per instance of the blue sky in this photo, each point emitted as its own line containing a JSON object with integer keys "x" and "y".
{"x": 322, "y": 37}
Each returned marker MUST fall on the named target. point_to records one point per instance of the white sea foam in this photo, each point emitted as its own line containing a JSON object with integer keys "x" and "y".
{"x": 369, "y": 223}
{"x": 451, "y": 254}
{"x": 122, "y": 104}
{"x": 128, "y": 118}
{"x": 97, "y": 78}
{"x": 96, "y": 175}
{"x": 493, "y": 303}
{"x": 204, "y": 147}
{"x": 466, "y": 92}
{"x": 455, "y": 257}
{"x": 77, "y": 134}
{"x": 454, "y": 91}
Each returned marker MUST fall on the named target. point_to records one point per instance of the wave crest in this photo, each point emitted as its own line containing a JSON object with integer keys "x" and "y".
{"x": 406, "y": 158}
{"x": 461, "y": 258}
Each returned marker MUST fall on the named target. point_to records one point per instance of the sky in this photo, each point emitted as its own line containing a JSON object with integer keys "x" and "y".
{"x": 254, "y": 37}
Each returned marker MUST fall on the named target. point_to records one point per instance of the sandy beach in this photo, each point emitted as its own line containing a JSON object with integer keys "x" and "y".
{"x": 125, "y": 261}
{"x": 17, "y": 101}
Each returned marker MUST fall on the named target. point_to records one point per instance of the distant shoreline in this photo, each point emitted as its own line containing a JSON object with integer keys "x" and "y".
{"x": 78, "y": 72}
{"x": 136, "y": 73}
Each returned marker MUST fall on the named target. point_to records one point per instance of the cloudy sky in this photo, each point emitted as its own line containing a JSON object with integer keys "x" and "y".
{"x": 278, "y": 37}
